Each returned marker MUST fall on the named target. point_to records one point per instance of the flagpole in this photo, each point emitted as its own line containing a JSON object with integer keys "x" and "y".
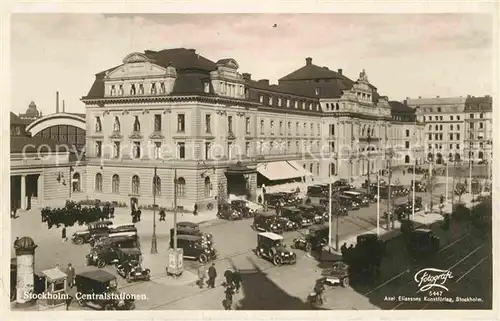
{"x": 446, "y": 198}
{"x": 378, "y": 202}
{"x": 154, "y": 244}
{"x": 413, "y": 189}
{"x": 330, "y": 211}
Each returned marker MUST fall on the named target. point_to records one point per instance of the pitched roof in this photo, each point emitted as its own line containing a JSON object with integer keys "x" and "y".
{"x": 310, "y": 71}
{"x": 181, "y": 59}
{"x": 400, "y": 108}
{"x": 16, "y": 120}
{"x": 23, "y": 144}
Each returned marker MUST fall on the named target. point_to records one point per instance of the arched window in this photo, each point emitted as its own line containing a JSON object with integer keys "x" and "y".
{"x": 407, "y": 159}
{"x": 430, "y": 157}
{"x": 332, "y": 169}
{"x": 481, "y": 155}
{"x": 132, "y": 89}
{"x": 311, "y": 168}
{"x": 181, "y": 187}
{"x": 98, "y": 182}
{"x": 135, "y": 184}
{"x": 76, "y": 182}
{"x": 115, "y": 184}
{"x": 207, "y": 185}
{"x": 439, "y": 159}
{"x": 157, "y": 185}
{"x": 450, "y": 157}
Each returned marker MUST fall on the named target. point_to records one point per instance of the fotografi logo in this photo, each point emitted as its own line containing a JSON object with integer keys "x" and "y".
{"x": 432, "y": 278}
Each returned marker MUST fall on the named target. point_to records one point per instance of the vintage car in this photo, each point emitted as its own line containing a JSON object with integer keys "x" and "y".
{"x": 129, "y": 265}
{"x": 312, "y": 213}
{"x": 271, "y": 246}
{"x": 228, "y": 212}
{"x": 317, "y": 191}
{"x": 267, "y": 221}
{"x": 341, "y": 182}
{"x": 338, "y": 273}
{"x": 274, "y": 199}
{"x": 357, "y": 197}
{"x": 371, "y": 241}
{"x": 125, "y": 230}
{"x": 94, "y": 228}
{"x": 194, "y": 248}
{"x": 348, "y": 202}
{"x": 124, "y": 241}
{"x": 242, "y": 207}
{"x": 102, "y": 255}
{"x": 190, "y": 228}
{"x": 98, "y": 290}
{"x": 296, "y": 215}
{"x": 315, "y": 238}
{"x": 286, "y": 223}
{"x": 422, "y": 242}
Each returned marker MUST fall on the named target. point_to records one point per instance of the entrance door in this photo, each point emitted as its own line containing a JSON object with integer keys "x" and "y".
{"x": 15, "y": 192}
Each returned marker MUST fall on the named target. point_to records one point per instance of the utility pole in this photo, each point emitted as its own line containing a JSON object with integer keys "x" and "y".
{"x": 390, "y": 196}
{"x": 368, "y": 140}
{"x": 154, "y": 244}
{"x": 378, "y": 203}
{"x": 431, "y": 182}
{"x": 470, "y": 163}
{"x": 453, "y": 182}
{"x": 447, "y": 189}
{"x": 175, "y": 209}
{"x": 330, "y": 210}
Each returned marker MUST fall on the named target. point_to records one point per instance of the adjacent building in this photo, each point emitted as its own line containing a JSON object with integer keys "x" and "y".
{"x": 478, "y": 116}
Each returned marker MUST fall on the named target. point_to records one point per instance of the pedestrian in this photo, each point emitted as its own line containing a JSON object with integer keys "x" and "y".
{"x": 195, "y": 211}
{"x": 237, "y": 280}
{"x": 162, "y": 215}
{"x": 139, "y": 212}
{"x": 68, "y": 301}
{"x": 70, "y": 272}
{"x": 201, "y": 275}
{"x": 229, "y": 277}
{"x": 63, "y": 234}
{"x": 212, "y": 274}
{"x": 228, "y": 301}
{"x": 343, "y": 248}
{"x": 13, "y": 212}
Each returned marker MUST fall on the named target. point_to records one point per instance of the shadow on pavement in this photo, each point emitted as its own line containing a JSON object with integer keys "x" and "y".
{"x": 261, "y": 293}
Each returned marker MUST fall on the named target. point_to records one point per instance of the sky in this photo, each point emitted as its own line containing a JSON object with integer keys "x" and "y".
{"x": 404, "y": 55}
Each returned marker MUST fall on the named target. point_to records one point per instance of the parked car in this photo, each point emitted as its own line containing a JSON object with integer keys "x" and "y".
{"x": 102, "y": 255}
{"x": 123, "y": 230}
{"x": 274, "y": 199}
{"x": 315, "y": 238}
{"x": 348, "y": 202}
{"x": 423, "y": 242}
{"x": 338, "y": 273}
{"x": 129, "y": 265}
{"x": 371, "y": 242}
{"x": 242, "y": 207}
{"x": 229, "y": 212}
{"x": 296, "y": 215}
{"x": 190, "y": 228}
{"x": 94, "y": 228}
{"x": 317, "y": 190}
{"x": 286, "y": 223}
{"x": 131, "y": 241}
{"x": 194, "y": 248}
{"x": 267, "y": 222}
{"x": 271, "y": 246}
{"x": 98, "y": 290}
{"x": 311, "y": 213}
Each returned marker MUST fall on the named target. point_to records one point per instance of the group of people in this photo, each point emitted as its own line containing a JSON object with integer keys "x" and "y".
{"x": 232, "y": 282}
{"x": 73, "y": 213}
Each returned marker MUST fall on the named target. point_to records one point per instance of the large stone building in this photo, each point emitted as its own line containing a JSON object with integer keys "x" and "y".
{"x": 478, "y": 124}
{"x": 223, "y": 133}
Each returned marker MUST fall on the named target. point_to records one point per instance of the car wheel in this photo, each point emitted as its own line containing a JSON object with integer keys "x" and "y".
{"x": 345, "y": 282}
{"x": 78, "y": 240}
{"x": 101, "y": 263}
{"x": 218, "y": 215}
{"x": 258, "y": 252}
{"x": 277, "y": 260}
{"x": 308, "y": 247}
{"x": 109, "y": 307}
{"x": 203, "y": 258}
{"x": 129, "y": 279}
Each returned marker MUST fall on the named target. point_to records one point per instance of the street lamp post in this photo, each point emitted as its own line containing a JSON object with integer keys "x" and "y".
{"x": 378, "y": 203}
{"x": 330, "y": 209}
{"x": 390, "y": 216}
{"x": 368, "y": 140}
{"x": 154, "y": 243}
{"x": 175, "y": 209}
{"x": 470, "y": 162}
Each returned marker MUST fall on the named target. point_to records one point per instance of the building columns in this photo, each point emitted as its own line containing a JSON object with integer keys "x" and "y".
{"x": 23, "y": 192}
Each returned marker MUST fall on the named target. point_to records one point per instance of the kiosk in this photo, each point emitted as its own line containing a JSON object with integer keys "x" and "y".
{"x": 55, "y": 286}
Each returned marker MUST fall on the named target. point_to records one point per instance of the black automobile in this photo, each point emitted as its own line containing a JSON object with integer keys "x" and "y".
{"x": 338, "y": 273}
{"x": 341, "y": 182}
{"x": 190, "y": 228}
{"x": 116, "y": 240}
{"x": 128, "y": 230}
{"x": 315, "y": 238}
{"x": 95, "y": 228}
{"x": 314, "y": 213}
{"x": 98, "y": 290}
{"x": 286, "y": 223}
{"x": 242, "y": 207}
{"x": 372, "y": 242}
{"x": 348, "y": 202}
{"x": 229, "y": 212}
{"x": 194, "y": 247}
{"x": 271, "y": 246}
{"x": 102, "y": 255}
{"x": 422, "y": 243}
{"x": 273, "y": 199}
{"x": 296, "y": 215}
{"x": 129, "y": 265}
{"x": 267, "y": 221}
{"x": 317, "y": 191}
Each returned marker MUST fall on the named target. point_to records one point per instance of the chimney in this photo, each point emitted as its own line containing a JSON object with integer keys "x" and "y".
{"x": 192, "y": 50}
{"x": 419, "y": 97}
{"x": 57, "y": 102}
{"x": 309, "y": 61}
{"x": 246, "y": 76}
{"x": 437, "y": 96}
{"x": 264, "y": 81}
{"x": 339, "y": 71}
{"x": 64, "y": 108}
{"x": 325, "y": 67}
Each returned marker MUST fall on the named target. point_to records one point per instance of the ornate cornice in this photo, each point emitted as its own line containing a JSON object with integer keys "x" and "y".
{"x": 135, "y": 135}
{"x": 156, "y": 135}
{"x": 116, "y": 135}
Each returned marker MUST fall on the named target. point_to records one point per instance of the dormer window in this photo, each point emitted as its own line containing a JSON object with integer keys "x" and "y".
{"x": 206, "y": 87}
{"x": 132, "y": 90}
{"x": 141, "y": 89}
{"x": 261, "y": 99}
{"x": 296, "y": 104}
{"x": 113, "y": 90}
{"x": 162, "y": 88}
{"x": 270, "y": 101}
{"x": 288, "y": 102}
{"x": 279, "y": 102}
{"x": 153, "y": 89}
{"x": 98, "y": 126}
{"x": 120, "y": 90}
{"x": 317, "y": 91}
{"x": 137, "y": 124}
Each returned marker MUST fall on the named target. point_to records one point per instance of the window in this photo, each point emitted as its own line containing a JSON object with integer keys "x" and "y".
{"x": 116, "y": 125}
{"x": 181, "y": 187}
{"x": 208, "y": 123}
{"x": 135, "y": 185}
{"x": 271, "y": 125}
{"x": 440, "y": 127}
{"x": 458, "y": 117}
{"x": 458, "y": 136}
{"x": 471, "y": 116}
{"x": 288, "y": 102}
{"x": 207, "y": 187}
{"x": 98, "y": 149}
{"x": 181, "y": 123}
{"x": 288, "y": 147}
{"x": 281, "y": 127}
{"x": 113, "y": 90}
{"x": 317, "y": 91}
{"x": 262, "y": 127}
{"x": 296, "y": 104}
{"x": 436, "y": 127}
{"x": 98, "y": 125}
{"x": 206, "y": 87}
{"x": 451, "y": 136}
{"x": 451, "y": 117}
{"x": 305, "y": 128}
{"x": 451, "y": 146}
{"x": 162, "y": 88}
{"x": 303, "y": 105}
{"x": 157, "y": 150}
{"x": 132, "y": 89}
{"x": 247, "y": 149}
{"x": 157, "y": 123}
{"x": 439, "y": 109}
{"x": 458, "y": 127}
{"x": 181, "y": 148}
{"x": 451, "y": 127}
{"x": 407, "y": 159}
{"x": 440, "y": 117}
{"x": 332, "y": 129}
{"x": 279, "y": 102}
{"x": 270, "y": 100}
{"x": 98, "y": 182}
{"x": 137, "y": 124}
{"x": 153, "y": 89}
{"x": 424, "y": 118}
{"x": 156, "y": 185}
{"x": 289, "y": 126}
{"x": 407, "y": 133}
{"x": 407, "y": 144}
{"x": 120, "y": 90}
{"x": 137, "y": 150}
{"x": 115, "y": 184}
{"x": 481, "y": 125}
{"x": 430, "y": 146}
{"x": 230, "y": 124}
{"x": 207, "y": 150}
{"x": 261, "y": 99}
{"x": 457, "y": 146}
{"x": 440, "y": 136}
{"x": 436, "y": 136}
{"x": 471, "y": 125}
{"x": 116, "y": 150}
{"x": 141, "y": 89}
{"x": 311, "y": 129}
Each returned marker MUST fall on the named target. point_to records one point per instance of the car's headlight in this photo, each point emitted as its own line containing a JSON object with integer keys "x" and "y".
{"x": 283, "y": 253}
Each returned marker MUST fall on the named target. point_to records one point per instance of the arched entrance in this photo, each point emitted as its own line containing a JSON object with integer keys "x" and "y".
{"x": 430, "y": 157}
{"x": 439, "y": 159}
{"x": 407, "y": 159}
{"x": 481, "y": 155}
{"x": 457, "y": 157}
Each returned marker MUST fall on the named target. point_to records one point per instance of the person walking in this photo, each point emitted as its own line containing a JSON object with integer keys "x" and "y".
{"x": 201, "y": 275}
{"x": 212, "y": 274}
{"x": 162, "y": 215}
{"x": 68, "y": 301}
{"x": 228, "y": 301}
{"x": 237, "y": 280}
{"x": 63, "y": 234}
{"x": 70, "y": 272}
{"x": 229, "y": 277}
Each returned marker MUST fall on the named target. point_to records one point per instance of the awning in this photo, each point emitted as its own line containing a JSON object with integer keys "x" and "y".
{"x": 278, "y": 171}
{"x": 299, "y": 168}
